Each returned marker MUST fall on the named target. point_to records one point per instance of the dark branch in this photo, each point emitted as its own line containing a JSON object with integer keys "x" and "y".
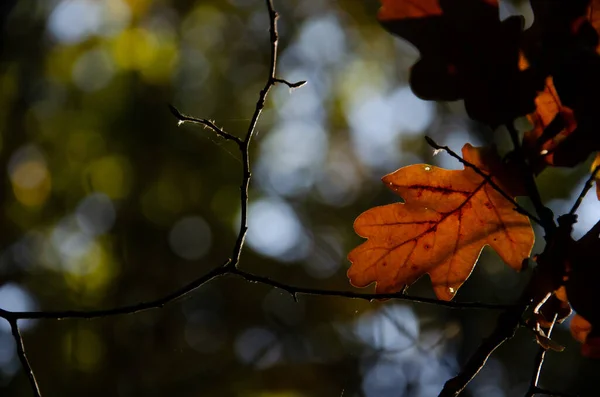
{"x": 506, "y": 326}
{"x": 250, "y": 277}
{"x": 16, "y": 333}
{"x": 292, "y": 86}
{"x": 245, "y": 146}
{"x": 129, "y": 309}
{"x": 539, "y": 362}
{"x": 544, "y": 213}
{"x": 588, "y": 185}
{"x": 294, "y": 291}
{"x": 206, "y": 123}
{"x": 486, "y": 177}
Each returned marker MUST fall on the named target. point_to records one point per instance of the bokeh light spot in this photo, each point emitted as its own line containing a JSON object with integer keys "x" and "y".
{"x": 110, "y": 175}
{"x": 93, "y": 70}
{"x": 30, "y": 177}
{"x": 292, "y": 156}
{"x": 16, "y": 298}
{"x": 73, "y": 21}
{"x": 95, "y": 214}
{"x": 276, "y": 230}
{"x": 85, "y": 346}
{"x": 258, "y": 346}
{"x": 135, "y": 49}
{"x": 190, "y": 238}
{"x": 394, "y": 328}
{"x": 384, "y": 379}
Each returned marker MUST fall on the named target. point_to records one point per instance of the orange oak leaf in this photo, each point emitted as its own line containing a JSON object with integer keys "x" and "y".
{"x": 563, "y": 43}
{"x": 581, "y": 330}
{"x": 447, "y": 218}
{"x": 552, "y": 124}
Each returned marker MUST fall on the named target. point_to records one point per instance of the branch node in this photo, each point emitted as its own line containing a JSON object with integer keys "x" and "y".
{"x": 292, "y": 86}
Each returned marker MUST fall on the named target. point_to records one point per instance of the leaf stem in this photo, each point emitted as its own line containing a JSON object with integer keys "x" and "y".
{"x": 486, "y": 177}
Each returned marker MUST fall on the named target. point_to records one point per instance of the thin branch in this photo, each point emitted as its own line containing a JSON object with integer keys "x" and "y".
{"x": 544, "y": 213}
{"x": 292, "y": 86}
{"x": 206, "y": 123}
{"x": 186, "y": 290}
{"x": 294, "y": 291}
{"x": 486, "y": 177}
{"x": 588, "y": 185}
{"x": 128, "y": 309}
{"x": 539, "y": 362}
{"x": 229, "y": 266}
{"x": 260, "y": 104}
{"x": 16, "y": 333}
{"x": 245, "y": 146}
{"x": 506, "y": 326}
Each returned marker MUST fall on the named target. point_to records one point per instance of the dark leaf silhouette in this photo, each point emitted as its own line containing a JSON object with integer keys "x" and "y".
{"x": 466, "y": 53}
{"x": 562, "y": 45}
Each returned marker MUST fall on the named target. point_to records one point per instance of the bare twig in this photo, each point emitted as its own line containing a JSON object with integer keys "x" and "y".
{"x": 16, "y": 333}
{"x": 506, "y": 326}
{"x": 294, "y": 291}
{"x": 230, "y": 265}
{"x": 297, "y": 84}
{"x": 206, "y": 123}
{"x": 245, "y": 146}
{"x": 544, "y": 213}
{"x": 222, "y": 270}
{"x": 486, "y": 177}
{"x": 128, "y": 309}
{"x": 539, "y": 362}
{"x": 588, "y": 185}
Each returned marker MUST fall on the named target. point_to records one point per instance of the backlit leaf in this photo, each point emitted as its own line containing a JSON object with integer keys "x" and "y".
{"x": 446, "y": 220}
{"x": 552, "y": 124}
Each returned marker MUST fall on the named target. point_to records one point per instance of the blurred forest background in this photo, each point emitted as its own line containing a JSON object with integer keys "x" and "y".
{"x": 104, "y": 202}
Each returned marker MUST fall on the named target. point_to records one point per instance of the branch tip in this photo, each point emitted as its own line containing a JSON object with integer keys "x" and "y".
{"x": 292, "y": 86}
{"x": 175, "y": 112}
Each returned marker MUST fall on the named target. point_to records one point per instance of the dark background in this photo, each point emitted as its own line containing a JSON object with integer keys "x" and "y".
{"x": 104, "y": 202}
